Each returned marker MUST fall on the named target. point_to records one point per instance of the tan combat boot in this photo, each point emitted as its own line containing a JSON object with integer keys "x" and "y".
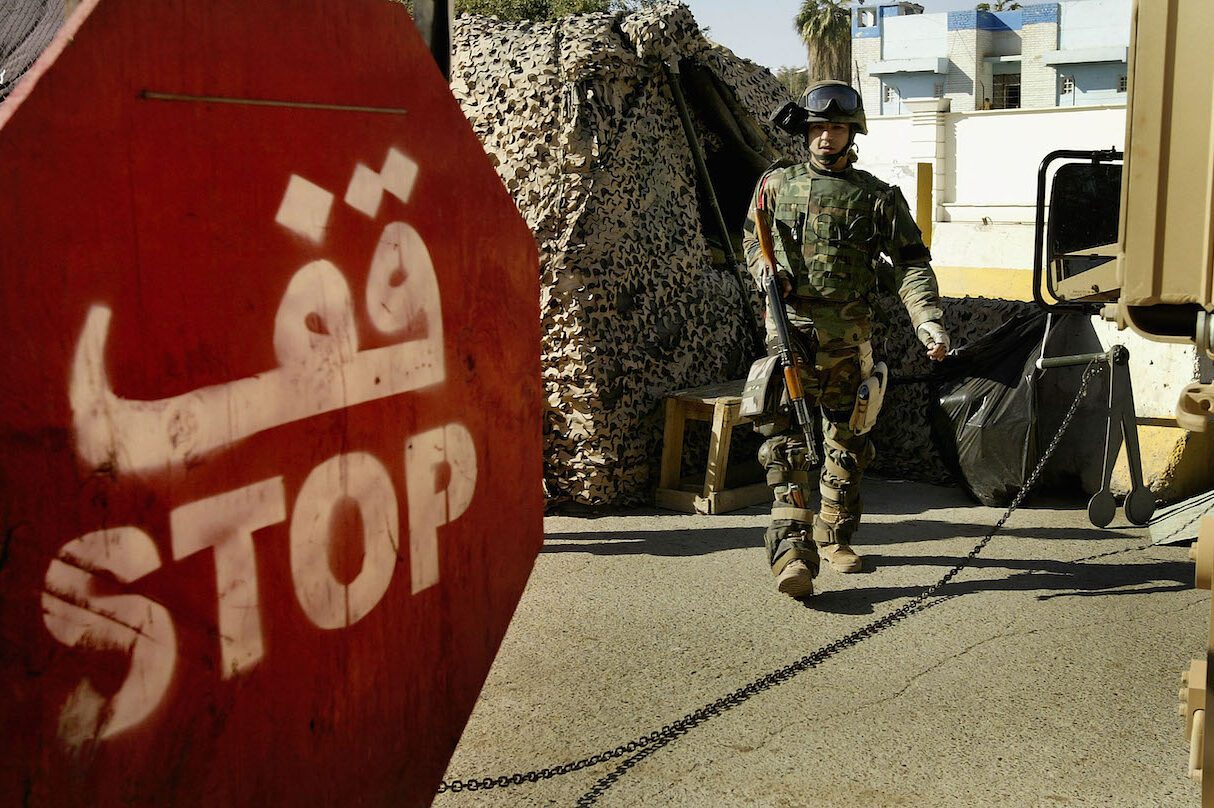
{"x": 796, "y": 579}
{"x": 841, "y": 557}
{"x": 835, "y": 549}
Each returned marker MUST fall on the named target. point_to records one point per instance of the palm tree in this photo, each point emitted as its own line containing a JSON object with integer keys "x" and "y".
{"x": 825, "y": 28}
{"x": 999, "y": 5}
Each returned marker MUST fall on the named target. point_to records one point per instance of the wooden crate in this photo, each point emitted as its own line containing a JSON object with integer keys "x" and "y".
{"x": 718, "y": 404}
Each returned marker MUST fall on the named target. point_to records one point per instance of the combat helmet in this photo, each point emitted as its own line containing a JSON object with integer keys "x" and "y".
{"x": 833, "y": 101}
{"x": 827, "y": 101}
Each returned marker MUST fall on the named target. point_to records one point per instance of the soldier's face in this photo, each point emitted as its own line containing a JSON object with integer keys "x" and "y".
{"x": 828, "y": 139}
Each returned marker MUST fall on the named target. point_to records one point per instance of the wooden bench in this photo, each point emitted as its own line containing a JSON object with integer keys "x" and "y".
{"x": 717, "y": 404}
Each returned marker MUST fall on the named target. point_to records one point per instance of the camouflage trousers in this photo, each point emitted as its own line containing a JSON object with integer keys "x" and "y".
{"x": 802, "y": 521}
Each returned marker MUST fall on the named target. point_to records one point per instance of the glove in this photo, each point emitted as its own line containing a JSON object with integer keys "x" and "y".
{"x": 786, "y": 284}
{"x": 932, "y": 333}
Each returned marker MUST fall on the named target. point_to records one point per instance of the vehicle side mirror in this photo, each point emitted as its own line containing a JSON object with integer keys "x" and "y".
{"x": 1074, "y": 265}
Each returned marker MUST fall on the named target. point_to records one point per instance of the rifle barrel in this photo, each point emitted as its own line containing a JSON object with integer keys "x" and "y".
{"x": 788, "y": 355}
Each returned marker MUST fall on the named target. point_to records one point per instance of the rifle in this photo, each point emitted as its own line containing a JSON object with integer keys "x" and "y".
{"x": 787, "y": 351}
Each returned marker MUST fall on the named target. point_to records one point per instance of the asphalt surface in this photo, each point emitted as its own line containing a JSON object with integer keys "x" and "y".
{"x": 1047, "y": 676}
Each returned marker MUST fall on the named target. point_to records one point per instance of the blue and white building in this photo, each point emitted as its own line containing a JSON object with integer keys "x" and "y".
{"x": 1063, "y": 54}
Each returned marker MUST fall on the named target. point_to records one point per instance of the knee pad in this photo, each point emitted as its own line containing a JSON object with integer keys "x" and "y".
{"x": 785, "y": 460}
{"x": 773, "y": 452}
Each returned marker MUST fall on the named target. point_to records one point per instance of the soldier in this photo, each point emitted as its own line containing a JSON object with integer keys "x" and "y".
{"x": 831, "y": 224}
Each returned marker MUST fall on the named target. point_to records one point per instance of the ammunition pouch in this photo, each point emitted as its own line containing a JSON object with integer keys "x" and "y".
{"x": 870, "y": 395}
{"x": 764, "y": 396}
{"x": 764, "y": 385}
{"x": 869, "y": 398}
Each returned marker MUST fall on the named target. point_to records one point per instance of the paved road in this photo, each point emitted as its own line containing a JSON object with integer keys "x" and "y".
{"x": 1049, "y": 678}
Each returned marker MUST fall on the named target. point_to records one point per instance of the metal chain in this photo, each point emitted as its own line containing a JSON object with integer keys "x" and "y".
{"x": 646, "y": 745}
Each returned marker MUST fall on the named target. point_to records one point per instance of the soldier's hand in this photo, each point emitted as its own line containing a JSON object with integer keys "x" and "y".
{"x": 785, "y": 285}
{"x": 935, "y": 339}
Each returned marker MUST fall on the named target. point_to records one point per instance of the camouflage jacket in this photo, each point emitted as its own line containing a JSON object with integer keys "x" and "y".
{"x": 829, "y": 231}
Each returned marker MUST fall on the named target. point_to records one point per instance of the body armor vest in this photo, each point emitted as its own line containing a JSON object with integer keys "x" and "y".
{"x": 829, "y": 230}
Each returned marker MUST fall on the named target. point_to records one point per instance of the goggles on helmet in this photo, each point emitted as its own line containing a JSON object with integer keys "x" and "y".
{"x": 819, "y": 99}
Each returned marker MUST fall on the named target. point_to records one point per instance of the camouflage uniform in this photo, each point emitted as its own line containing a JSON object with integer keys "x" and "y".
{"x": 829, "y": 229}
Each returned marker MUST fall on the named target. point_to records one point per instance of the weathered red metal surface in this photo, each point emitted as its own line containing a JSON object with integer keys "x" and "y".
{"x": 270, "y": 454}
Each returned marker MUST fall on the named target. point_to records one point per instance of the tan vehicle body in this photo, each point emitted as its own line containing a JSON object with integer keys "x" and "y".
{"x": 1165, "y": 254}
{"x": 1165, "y": 264}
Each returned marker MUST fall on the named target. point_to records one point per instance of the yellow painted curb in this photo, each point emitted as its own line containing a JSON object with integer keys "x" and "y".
{"x": 1006, "y": 284}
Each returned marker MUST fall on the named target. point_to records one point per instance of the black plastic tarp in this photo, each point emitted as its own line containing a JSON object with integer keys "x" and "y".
{"x": 984, "y": 409}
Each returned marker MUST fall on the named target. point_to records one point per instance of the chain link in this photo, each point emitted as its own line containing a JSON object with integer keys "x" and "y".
{"x": 644, "y": 746}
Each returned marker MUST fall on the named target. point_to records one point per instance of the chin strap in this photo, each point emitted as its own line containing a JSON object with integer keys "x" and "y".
{"x": 837, "y": 157}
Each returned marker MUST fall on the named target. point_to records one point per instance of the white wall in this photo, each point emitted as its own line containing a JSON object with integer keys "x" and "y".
{"x": 991, "y": 158}
{"x": 997, "y": 153}
{"x": 987, "y": 199}
{"x": 884, "y": 153}
{"x": 1094, "y": 84}
{"x": 1038, "y": 81}
{"x": 914, "y": 36}
{"x": 909, "y": 85}
{"x": 1094, "y": 24}
{"x": 1159, "y": 372}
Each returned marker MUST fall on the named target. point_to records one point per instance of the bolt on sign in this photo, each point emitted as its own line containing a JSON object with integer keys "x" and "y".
{"x": 270, "y": 450}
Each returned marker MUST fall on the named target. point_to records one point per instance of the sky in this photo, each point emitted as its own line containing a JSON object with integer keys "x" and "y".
{"x": 761, "y": 30}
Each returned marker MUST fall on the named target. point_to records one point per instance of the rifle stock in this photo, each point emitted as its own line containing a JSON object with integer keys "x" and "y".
{"x": 787, "y": 351}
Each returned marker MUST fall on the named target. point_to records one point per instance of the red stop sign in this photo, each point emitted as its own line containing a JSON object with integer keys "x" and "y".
{"x": 270, "y": 461}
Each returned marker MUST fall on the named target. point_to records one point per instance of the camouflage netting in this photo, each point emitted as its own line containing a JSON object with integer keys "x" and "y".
{"x": 578, "y": 117}
{"x": 26, "y": 28}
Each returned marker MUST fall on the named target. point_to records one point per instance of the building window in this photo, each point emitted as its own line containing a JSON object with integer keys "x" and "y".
{"x": 866, "y": 17}
{"x": 938, "y": 90}
{"x": 1122, "y": 84}
{"x": 1006, "y": 91}
{"x": 1068, "y": 85}
{"x": 891, "y": 94}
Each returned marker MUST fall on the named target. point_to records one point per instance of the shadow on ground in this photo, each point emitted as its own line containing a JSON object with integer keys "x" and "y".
{"x": 703, "y": 541}
{"x": 1053, "y": 579}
